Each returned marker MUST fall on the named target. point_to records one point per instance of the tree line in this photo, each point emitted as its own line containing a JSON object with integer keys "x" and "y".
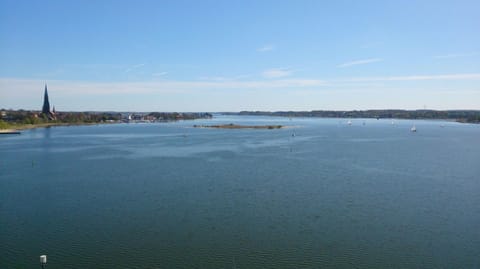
{"x": 467, "y": 116}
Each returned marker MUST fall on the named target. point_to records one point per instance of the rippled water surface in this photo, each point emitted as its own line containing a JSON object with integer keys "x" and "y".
{"x": 167, "y": 195}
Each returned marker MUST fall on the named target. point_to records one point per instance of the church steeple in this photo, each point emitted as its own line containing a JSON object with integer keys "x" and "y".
{"x": 46, "y": 103}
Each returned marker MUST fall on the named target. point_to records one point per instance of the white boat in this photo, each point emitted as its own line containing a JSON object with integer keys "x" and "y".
{"x": 413, "y": 129}
{"x": 349, "y": 122}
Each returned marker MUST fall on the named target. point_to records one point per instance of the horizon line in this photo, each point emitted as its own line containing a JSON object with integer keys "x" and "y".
{"x": 312, "y": 110}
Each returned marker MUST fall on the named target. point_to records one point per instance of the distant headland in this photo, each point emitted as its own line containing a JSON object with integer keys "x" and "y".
{"x": 12, "y": 120}
{"x": 464, "y": 116}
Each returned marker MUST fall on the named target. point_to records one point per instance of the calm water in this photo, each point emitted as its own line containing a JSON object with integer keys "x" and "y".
{"x": 171, "y": 196}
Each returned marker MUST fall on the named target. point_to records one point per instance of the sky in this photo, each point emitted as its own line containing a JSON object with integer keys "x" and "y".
{"x": 236, "y": 55}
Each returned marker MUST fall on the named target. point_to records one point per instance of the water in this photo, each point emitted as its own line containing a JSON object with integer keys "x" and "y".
{"x": 172, "y": 196}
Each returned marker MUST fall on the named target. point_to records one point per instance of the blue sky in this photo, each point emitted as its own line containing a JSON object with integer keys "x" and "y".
{"x": 240, "y": 55}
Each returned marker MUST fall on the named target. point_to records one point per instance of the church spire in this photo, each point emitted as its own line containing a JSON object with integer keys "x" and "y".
{"x": 46, "y": 103}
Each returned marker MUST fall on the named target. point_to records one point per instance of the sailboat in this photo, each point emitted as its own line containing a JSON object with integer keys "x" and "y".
{"x": 413, "y": 129}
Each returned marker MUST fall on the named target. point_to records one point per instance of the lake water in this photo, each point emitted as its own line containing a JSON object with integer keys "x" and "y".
{"x": 168, "y": 195}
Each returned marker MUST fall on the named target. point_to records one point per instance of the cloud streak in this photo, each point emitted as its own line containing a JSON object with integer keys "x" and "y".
{"x": 133, "y": 67}
{"x": 19, "y": 88}
{"x": 82, "y": 87}
{"x": 159, "y": 74}
{"x": 471, "y": 76}
{"x": 360, "y": 62}
{"x": 276, "y": 73}
{"x": 223, "y": 95}
{"x": 266, "y": 48}
{"x": 30, "y": 86}
{"x": 222, "y": 78}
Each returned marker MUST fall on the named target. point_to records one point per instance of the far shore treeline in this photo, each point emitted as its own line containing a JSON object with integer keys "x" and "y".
{"x": 465, "y": 116}
{"x": 21, "y": 119}
{"x": 24, "y": 119}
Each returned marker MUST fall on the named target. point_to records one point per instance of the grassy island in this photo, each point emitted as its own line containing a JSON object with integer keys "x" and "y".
{"x": 237, "y": 126}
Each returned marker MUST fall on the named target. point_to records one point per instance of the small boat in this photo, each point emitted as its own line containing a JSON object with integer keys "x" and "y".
{"x": 349, "y": 122}
{"x": 413, "y": 129}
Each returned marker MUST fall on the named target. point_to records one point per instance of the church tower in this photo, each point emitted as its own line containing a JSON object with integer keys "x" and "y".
{"x": 46, "y": 103}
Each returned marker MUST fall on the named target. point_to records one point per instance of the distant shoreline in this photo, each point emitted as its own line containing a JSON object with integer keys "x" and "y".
{"x": 237, "y": 126}
{"x": 16, "y": 120}
{"x": 462, "y": 116}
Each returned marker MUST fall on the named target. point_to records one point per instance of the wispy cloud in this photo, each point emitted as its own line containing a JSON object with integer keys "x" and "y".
{"x": 359, "y": 62}
{"x": 159, "y": 74}
{"x": 222, "y": 78}
{"x": 96, "y": 66}
{"x": 133, "y": 67}
{"x": 470, "y": 76}
{"x": 29, "y": 87}
{"x": 20, "y": 88}
{"x": 456, "y": 55}
{"x": 266, "y": 48}
{"x": 277, "y": 73}
{"x": 26, "y": 93}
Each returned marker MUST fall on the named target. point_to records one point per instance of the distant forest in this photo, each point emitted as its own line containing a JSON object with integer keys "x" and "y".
{"x": 466, "y": 116}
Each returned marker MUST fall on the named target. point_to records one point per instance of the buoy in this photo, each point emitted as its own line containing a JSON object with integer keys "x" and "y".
{"x": 43, "y": 260}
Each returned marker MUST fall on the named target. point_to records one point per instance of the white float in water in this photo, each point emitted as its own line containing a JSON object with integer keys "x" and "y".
{"x": 43, "y": 260}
